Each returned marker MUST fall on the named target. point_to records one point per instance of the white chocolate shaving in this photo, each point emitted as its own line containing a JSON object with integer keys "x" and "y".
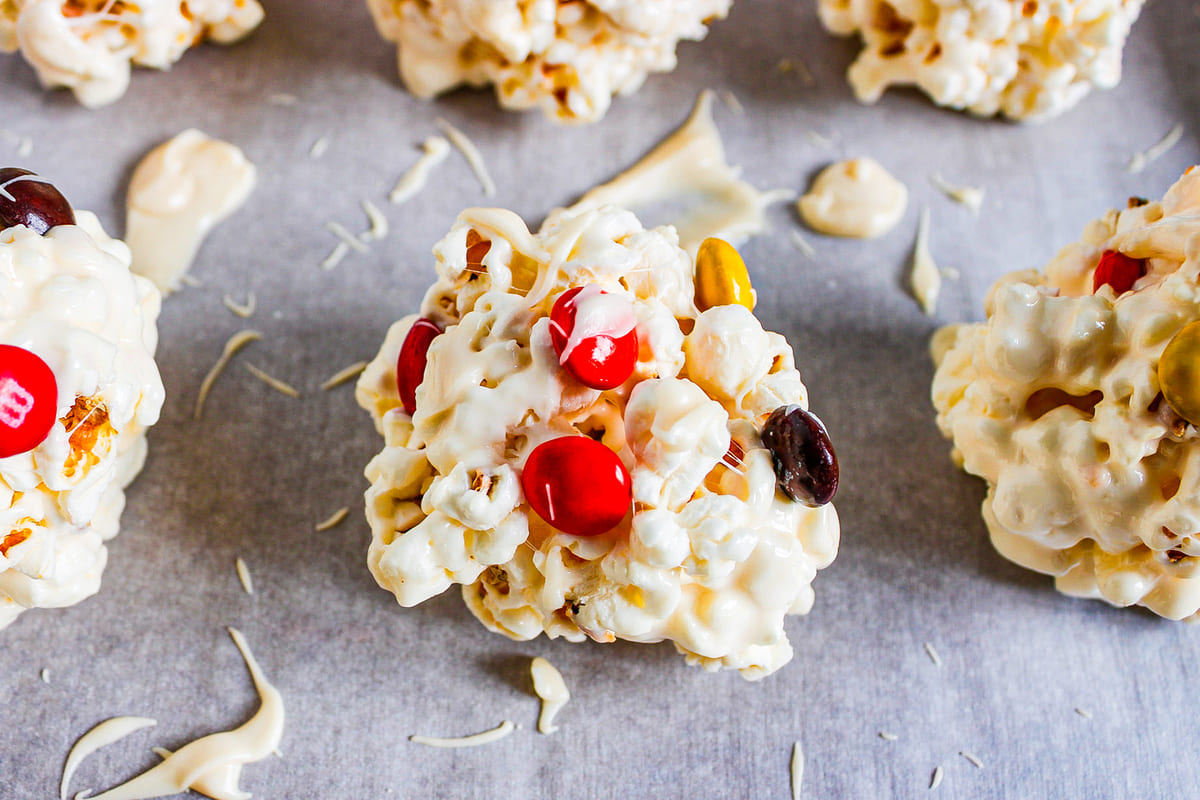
{"x": 243, "y": 573}
{"x": 936, "y": 780}
{"x": 282, "y": 99}
{"x": 244, "y": 310}
{"x": 1141, "y": 160}
{"x": 379, "y": 223}
{"x": 344, "y": 375}
{"x": 336, "y": 255}
{"x": 102, "y": 735}
{"x": 971, "y": 757}
{"x": 178, "y": 193}
{"x": 272, "y": 381}
{"x": 348, "y": 238}
{"x": 801, "y": 244}
{"x": 549, "y": 685}
{"x": 413, "y": 181}
{"x": 44, "y": 675}
{"x": 219, "y": 757}
{"x": 471, "y": 153}
{"x": 319, "y": 147}
{"x": 933, "y": 655}
{"x": 690, "y": 163}
{"x": 888, "y": 737}
{"x": 797, "y": 770}
{"x": 732, "y": 103}
{"x": 969, "y": 196}
{"x": 474, "y": 740}
{"x": 925, "y": 276}
{"x": 334, "y": 520}
{"x": 1083, "y": 712}
{"x": 235, "y": 343}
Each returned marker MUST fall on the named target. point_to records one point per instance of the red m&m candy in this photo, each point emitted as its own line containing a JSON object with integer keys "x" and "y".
{"x": 1118, "y": 271}
{"x": 410, "y": 366}
{"x": 577, "y": 485}
{"x": 28, "y": 400}
{"x": 594, "y": 334}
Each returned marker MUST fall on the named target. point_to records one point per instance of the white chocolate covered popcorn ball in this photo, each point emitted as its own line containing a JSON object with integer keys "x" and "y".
{"x": 88, "y": 46}
{"x": 78, "y": 388}
{"x": 1078, "y": 402}
{"x": 567, "y": 57}
{"x": 589, "y": 453}
{"x": 1026, "y": 60}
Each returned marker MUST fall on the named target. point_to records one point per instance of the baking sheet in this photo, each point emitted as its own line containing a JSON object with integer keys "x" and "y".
{"x": 359, "y": 674}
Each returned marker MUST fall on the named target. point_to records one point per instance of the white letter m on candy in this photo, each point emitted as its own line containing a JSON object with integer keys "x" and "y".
{"x": 15, "y": 403}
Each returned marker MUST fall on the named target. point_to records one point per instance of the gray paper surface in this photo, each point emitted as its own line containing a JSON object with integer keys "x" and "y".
{"x": 360, "y": 674}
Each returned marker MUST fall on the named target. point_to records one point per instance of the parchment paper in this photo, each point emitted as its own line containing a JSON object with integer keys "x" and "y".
{"x": 360, "y": 674}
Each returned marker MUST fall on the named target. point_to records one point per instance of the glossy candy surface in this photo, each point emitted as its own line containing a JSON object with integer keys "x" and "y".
{"x": 26, "y": 199}
{"x": 600, "y": 361}
{"x": 28, "y": 400}
{"x": 410, "y": 366}
{"x": 1118, "y": 271}
{"x": 806, "y": 468}
{"x": 721, "y": 276}
{"x": 1179, "y": 373}
{"x": 577, "y": 485}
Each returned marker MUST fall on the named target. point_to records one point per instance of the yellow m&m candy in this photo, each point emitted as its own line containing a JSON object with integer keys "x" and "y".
{"x": 1179, "y": 373}
{"x": 721, "y": 276}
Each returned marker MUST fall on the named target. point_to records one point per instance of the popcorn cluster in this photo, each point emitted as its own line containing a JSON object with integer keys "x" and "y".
{"x": 1058, "y": 402}
{"x": 567, "y": 57}
{"x": 69, "y": 297}
{"x": 709, "y": 554}
{"x": 88, "y": 46}
{"x": 1026, "y": 60}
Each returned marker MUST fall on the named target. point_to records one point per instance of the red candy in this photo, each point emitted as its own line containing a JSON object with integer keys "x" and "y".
{"x": 28, "y": 400}
{"x": 1118, "y": 271}
{"x": 410, "y": 367}
{"x": 577, "y": 485}
{"x": 600, "y": 361}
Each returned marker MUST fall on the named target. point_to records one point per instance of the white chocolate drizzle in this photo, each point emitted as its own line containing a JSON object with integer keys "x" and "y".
{"x": 243, "y": 310}
{"x": 333, "y": 520}
{"x": 413, "y": 181}
{"x": 926, "y": 278}
{"x": 1141, "y": 160}
{"x": 688, "y": 163}
{"x": 474, "y": 740}
{"x": 275, "y": 383}
{"x": 969, "y": 196}
{"x": 379, "y": 224}
{"x": 214, "y": 761}
{"x": 243, "y": 573}
{"x": 471, "y": 153}
{"x": 178, "y": 193}
{"x": 107, "y": 732}
{"x": 797, "y": 770}
{"x": 235, "y": 343}
{"x": 344, "y": 375}
{"x": 550, "y": 687}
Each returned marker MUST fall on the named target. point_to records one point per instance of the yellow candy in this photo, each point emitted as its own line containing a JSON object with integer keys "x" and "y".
{"x": 721, "y": 276}
{"x": 1179, "y": 373}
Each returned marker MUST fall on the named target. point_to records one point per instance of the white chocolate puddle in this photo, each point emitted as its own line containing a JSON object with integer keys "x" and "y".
{"x": 688, "y": 163}
{"x": 107, "y": 732}
{"x": 474, "y": 740}
{"x": 549, "y": 685}
{"x": 857, "y": 199}
{"x": 212, "y": 764}
{"x": 179, "y": 192}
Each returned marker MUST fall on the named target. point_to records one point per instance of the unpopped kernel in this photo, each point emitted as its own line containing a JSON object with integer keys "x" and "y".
{"x": 1057, "y": 401}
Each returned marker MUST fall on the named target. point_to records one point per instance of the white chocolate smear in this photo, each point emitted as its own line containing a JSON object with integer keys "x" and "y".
{"x": 102, "y": 735}
{"x": 333, "y": 520}
{"x": 435, "y": 149}
{"x": 217, "y": 758}
{"x": 178, "y": 193}
{"x": 219, "y": 784}
{"x": 474, "y": 740}
{"x": 270, "y": 380}
{"x": 549, "y": 685}
{"x": 344, "y": 375}
{"x": 243, "y": 573}
{"x": 1141, "y": 160}
{"x": 858, "y": 199}
{"x": 925, "y": 276}
{"x": 969, "y": 196}
{"x": 797, "y": 770}
{"x": 690, "y": 163}
{"x": 471, "y": 153}
{"x": 235, "y": 343}
{"x": 244, "y": 310}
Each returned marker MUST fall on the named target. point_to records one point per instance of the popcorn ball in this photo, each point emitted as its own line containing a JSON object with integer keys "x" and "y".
{"x": 1026, "y": 60}
{"x": 598, "y": 439}
{"x": 567, "y": 57}
{"x": 78, "y": 388}
{"x": 1078, "y": 401}
{"x": 88, "y": 46}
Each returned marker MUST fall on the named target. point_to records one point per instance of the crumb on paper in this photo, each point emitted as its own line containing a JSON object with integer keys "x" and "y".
{"x": 243, "y": 573}
{"x": 474, "y": 740}
{"x": 244, "y": 310}
{"x": 550, "y": 687}
{"x": 970, "y": 197}
{"x": 936, "y": 780}
{"x": 933, "y": 655}
{"x": 344, "y": 375}
{"x": 1139, "y": 161}
{"x": 333, "y": 520}
{"x": 270, "y": 380}
{"x": 797, "y": 770}
{"x": 336, "y": 256}
{"x": 971, "y": 757}
{"x": 435, "y": 149}
{"x": 235, "y": 343}
{"x": 925, "y": 277}
{"x": 471, "y": 153}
